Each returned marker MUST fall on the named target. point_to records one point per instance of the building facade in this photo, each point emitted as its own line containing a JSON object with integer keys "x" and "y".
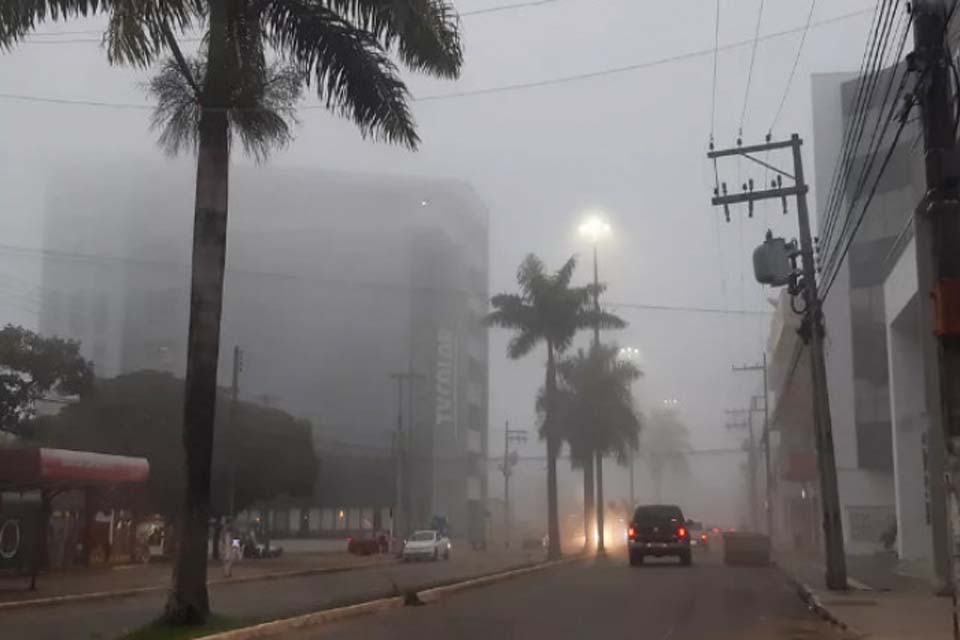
{"x": 334, "y": 282}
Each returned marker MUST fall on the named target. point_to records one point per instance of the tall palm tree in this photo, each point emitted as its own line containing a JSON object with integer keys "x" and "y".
{"x": 547, "y": 310}
{"x": 665, "y": 445}
{"x": 229, "y": 91}
{"x": 596, "y": 413}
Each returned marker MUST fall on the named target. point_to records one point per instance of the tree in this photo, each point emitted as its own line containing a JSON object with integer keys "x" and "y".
{"x": 547, "y": 310}
{"x": 664, "y": 445}
{"x": 138, "y": 414}
{"x": 596, "y": 413}
{"x": 33, "y": 367}
{"x": 230, "y": 91}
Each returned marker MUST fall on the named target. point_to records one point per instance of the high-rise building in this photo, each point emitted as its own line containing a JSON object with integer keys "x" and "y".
{"x": 333, "y": 283}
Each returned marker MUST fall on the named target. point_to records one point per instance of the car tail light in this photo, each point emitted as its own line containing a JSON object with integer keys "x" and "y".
{"x": 703, "y": 536}
{"x": 681, "y": 533}
{"x": 631, "y": 533}
{"x": 350, "y": 539}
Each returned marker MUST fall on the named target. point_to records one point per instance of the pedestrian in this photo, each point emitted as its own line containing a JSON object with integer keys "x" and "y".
{"x": 227, "y": 553}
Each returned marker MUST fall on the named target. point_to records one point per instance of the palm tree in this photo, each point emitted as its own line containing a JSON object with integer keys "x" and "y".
{"x": 596, "y": 414}
{"x": 547, "y": 310}
{"x": 665, "y": 444}
{"x": 230, "y": 91}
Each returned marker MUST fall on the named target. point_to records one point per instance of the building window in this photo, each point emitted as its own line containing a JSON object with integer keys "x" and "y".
{"x": 313, "y": 524}
{"x": 366, "y": 519}
{"x": 327, "y": 519}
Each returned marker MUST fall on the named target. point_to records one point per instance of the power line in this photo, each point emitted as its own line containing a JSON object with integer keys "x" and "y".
{"x": 796, "y": 62}
{"x": 866, "y": 204}
{"x": 661, "y": 307}
{"x": 507, "y": 7}
{"x": 488, "y": 90}
{"x": 753, "y": 57}
{"x": 29, "y": 38}
{"x": 716, "y": 46}
{"x": 874, "y": 54}
{"x": 835, "y": 256}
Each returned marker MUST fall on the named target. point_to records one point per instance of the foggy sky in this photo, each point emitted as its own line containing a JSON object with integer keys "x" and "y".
{"x": 630, "y": 144}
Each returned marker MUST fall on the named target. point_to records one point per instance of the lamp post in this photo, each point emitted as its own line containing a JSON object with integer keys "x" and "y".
{"x": 595, "y": 228}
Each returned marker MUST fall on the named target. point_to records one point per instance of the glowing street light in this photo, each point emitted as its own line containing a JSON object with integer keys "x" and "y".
{"x": 671, "y": 402}
{"x": 594, "y": 228}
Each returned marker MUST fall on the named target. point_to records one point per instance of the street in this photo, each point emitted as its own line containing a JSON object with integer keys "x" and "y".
{"x": 252, "y": 601}
{"x": 605, "y": 598}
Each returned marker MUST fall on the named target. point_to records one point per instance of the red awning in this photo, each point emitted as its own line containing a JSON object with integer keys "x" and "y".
{"x": 61, "y": 468}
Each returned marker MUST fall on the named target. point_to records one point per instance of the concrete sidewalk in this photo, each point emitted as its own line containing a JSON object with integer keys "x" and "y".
{"x": 131, "y": 579}
{"x": 880, "y": 603}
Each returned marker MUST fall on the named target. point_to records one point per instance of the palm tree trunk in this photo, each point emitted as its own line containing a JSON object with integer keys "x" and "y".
{"x": 600, "y": 508}
{"x": 188, "y": 602}
{"x": 588, "y": 503}
{"x": 553, "y": 451}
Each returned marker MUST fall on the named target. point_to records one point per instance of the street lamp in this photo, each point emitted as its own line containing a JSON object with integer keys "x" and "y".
{"x": 671, "y": 402}
{"x": 594, "y": 228}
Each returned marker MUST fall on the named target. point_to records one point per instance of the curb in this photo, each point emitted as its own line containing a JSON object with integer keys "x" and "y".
{"x": 813, "y": 602}
{"x": 432, "y": 594}
{"x": 129, "y": 593}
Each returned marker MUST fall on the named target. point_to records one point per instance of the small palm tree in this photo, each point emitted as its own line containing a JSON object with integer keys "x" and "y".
{"x": 547, "y": 310}
{"x": 665, "y": 445}
{"x": 231, "y": 91}
{"x": 596, "y": 414}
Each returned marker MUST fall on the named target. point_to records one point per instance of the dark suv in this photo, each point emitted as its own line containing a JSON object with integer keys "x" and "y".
{"x": 658, "y": 530}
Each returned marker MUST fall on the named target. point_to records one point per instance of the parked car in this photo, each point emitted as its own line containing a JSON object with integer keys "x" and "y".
{"x": 658, "y": 530}
{"x": 427, "y": 544}
{"x": 365, "y": 544}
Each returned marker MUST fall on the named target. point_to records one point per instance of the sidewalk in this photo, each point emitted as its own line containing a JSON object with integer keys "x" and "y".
{"x": 129, "y": 579}
{"x": 880, "y": 603}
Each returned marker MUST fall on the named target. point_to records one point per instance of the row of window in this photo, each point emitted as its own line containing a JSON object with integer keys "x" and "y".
{"x": 304, "y": 521}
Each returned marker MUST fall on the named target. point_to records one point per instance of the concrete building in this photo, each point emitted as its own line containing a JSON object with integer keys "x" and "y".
{"x": 333, "y": 282}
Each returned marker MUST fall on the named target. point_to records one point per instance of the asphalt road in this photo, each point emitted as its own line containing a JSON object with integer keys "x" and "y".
{"x": 608, "y": 600}
{"x": 251, "y": 601}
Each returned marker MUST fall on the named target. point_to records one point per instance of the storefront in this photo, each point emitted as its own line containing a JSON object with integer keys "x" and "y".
{"x": 60, "y": 508}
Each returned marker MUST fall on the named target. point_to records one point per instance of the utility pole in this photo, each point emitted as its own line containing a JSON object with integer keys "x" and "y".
{"x": 510, "y": 460}
{"x": 936, "y": 224}
{"x": 401, "y": 451}
{"x": 811, "y": 331}
{"x": 231, "y": 440}
{"x": 765, "y": 440}
{"x": 751, "y": 459}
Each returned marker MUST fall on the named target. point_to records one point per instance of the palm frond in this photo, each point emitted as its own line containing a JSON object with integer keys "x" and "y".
{"x": 565, "y": 273}
{"x": 530, "y": 271}
{"x": 355, "y": 77}
{"x": 522, "y": 344}
{"x": 20, "y": 17}
{"x": 260, "y": 113}
{"x": 510, "y": 311}
{"x": 425, "y": 33}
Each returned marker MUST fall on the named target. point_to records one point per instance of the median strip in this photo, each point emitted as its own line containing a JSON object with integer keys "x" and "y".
{"x": 430, "y": 594}
{"x": 136, "y": 591}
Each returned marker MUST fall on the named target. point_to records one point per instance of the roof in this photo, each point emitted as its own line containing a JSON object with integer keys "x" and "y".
{"x": 42, "y": 468}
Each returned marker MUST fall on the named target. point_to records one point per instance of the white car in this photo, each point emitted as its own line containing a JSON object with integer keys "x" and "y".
{"x": 426, "y": 545}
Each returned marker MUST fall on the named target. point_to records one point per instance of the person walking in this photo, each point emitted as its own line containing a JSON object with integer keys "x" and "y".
{"x": 227, "y": 551}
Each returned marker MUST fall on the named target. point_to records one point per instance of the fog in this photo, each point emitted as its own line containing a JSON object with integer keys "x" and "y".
{"x": 77, "y": 155}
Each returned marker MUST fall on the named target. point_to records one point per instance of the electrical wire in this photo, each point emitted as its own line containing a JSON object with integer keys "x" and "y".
{"x": 827, "y": 237}
{"x": 487, "y": 90}
{"x": 716, "y": 57}
{"x": 863, "y": 211}
{"x": 864, "y": 76}
{"x": 507, "y": 7}
{"x": 877, "y": 47}
{"x": 793, "y": 69}
{"x": 753, "y": 57}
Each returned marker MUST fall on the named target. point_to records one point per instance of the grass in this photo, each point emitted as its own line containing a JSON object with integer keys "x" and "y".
{"x": 162, "y": 631}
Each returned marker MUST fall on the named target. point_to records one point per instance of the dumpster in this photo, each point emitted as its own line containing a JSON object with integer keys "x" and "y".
{"x": 745, "y": 548}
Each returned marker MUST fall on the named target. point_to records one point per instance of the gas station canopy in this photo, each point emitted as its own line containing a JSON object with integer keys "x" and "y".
{"x": 41, "y": 468}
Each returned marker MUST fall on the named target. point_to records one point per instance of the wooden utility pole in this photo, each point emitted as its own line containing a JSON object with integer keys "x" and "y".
{"x": 936, "y": 223}
{"x": 509, "y": 462}
{"x": 811, "y": 331}
{"x": 768, "y": 512}
{"x": 751, "y": 460}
